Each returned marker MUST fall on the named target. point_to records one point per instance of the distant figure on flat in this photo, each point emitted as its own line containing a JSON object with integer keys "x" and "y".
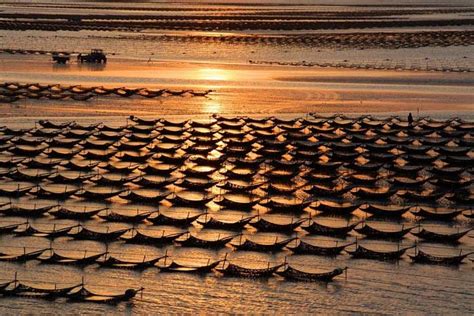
{"x": 410, "y": 119}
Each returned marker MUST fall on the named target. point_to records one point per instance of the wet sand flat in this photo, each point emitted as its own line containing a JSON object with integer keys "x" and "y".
{"x": 237, "y": 88}
{"x": 293, "y": 116}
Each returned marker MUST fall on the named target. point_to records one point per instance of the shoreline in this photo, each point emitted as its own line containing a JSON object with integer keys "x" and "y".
{"x": 239, "y": 88}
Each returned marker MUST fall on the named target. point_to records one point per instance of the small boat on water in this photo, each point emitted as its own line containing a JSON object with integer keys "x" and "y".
{"x": 292, "y": 273}
{"x": 423, "y": 257}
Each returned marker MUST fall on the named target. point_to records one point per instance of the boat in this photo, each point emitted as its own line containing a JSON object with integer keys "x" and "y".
{"x": 266, "y": 226}
{"x": 17, "y": 192}
{"x": 136, "y": 196}
{"x": 115, "y": 263}
{"x": 426, "y": 197}
{"x": 45, "y": 193}
{"x": 386, "y": 158}
{"x": 208, "y": 162}
{"x": 198, "y": 149}
{"x": 66, "y": 178}
{"x": 21, "y": 175}
{"x": 448, "y": 172}
{"x": 423, "y": 257}
{"x": 100, "y": 155}
{"x": 77, "y": 133}
{"x": 341, "y": 146}
{"x": 28, "y": 151}
{"x": 280, "y": 189}
{"x": 238, "y": 186}
{"x": 85, "y": 260}
{"x": 173, "y": 123}
{"x": 177, "y": 267}
{"x": 98, "y": 144}
{"x": 374, "y": 233}
{"x": 246, "y": 203}
{"x": 16, "y": 210}
{"x": 380, "y": 210}
{"x": 11, "y": 162}
{"x": 415, "y": 150}
{"x": 304, "y": 248}
{"x": 54, "y": 233}
{"x": 327, "y": 190}
{"x": 134, "y": 157}
{"x": 281, "y": 175}
{"x": 84, "y": 295}
{"x": 193, "y": 241}
{"x": 287, "y": 206}
{"x": 245, "y": 174}
{"x": 19, "y": 289}
{"x": 117, "y": 217}
{"x": 88, "y": 166}
{"x": 195, "y": 183}
{"x": 406, "y": 170}
{"x": 436, "y": 214}
{"x": 362, "y": 179}
{"x": 245, "y": 162}
{"x": 462, "y": 197}
{"x": 379, "y": 148}
{"x": 112, "y": 179}
{"x": 109, "y": 135}
{"x": 468, "y": 214}
{"x": 41, "y": 164}
{"x": 171, "y": 158}
{"x": 271, "y": 153}
{"x": 85, "y": 214}
{"x": 26, "y": 256}
{"x": 143, "y": 121}
{"x": 238, "y": 271}
{"x": 139, "y": 138}
{"x": 166, "y": 148}
{"x": 142, "y": 239}
{"x": 320, "y": 229}
{"x": 377, "y": 194}
{"x": 153, "y": 182}
{"x": 97, "y": 195}
{"x": 137, "y": 128}
{"x": 451, "y": 184}
{"x": 308, "y": 146}
{"x": 87, "y": 234}
{"x": 158, "y": 169}
{"x": 461, "y": 161}
{"x": 238, "y": 142}
{"x": 362, "y": 252}
{"x": 344, "y": 208}
{"x": 291, "y": 273}
{"x": 326, "y": 167}
{"x": 163, "y": 219}
{"x": 9, "y": 228}
{"x": 213, "y": 223}
{"x": 429, "y": 235}
{"x": 68, "y": 143}
{"x": 122, "y": 168}
{"x": 408, "y": 183}
{"x": 180, "y": 199}
{"x": 250, "y": 245}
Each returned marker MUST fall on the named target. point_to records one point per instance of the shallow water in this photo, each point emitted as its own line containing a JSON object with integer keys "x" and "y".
{"x": 256, "y": 90}
{"x": 371, "y": 286}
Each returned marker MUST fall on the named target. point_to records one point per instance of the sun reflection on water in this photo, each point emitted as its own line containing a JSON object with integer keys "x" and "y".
{"x": 212, "y": 106}
{"x": 214, "y": 74}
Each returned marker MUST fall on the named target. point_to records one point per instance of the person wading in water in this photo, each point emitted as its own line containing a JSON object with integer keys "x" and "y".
{"x": 410, "y": 120}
